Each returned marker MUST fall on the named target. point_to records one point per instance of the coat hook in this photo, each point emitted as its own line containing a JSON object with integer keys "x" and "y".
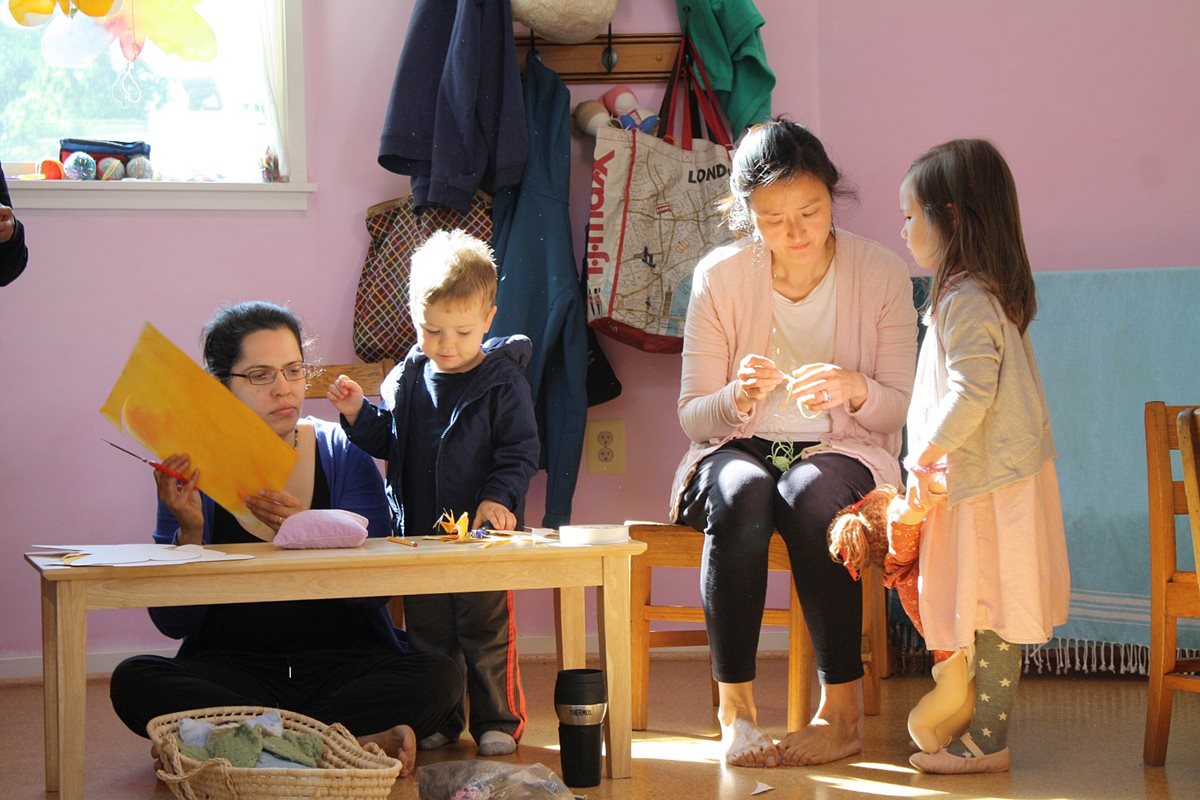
{"x": 608, "y": 59}
{"x": 533, "y": 51}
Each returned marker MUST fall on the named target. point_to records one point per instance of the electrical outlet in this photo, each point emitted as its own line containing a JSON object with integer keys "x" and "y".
{"x": 606, "y": 446}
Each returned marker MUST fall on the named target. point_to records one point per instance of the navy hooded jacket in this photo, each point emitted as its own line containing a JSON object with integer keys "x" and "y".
{"x": 489, "y": 451}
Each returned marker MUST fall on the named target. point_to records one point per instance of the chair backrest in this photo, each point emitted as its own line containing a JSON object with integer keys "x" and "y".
{"x": 368, "y": 374}
{"x": 1167, "y": 497}
{"x": 1188, "y": 428}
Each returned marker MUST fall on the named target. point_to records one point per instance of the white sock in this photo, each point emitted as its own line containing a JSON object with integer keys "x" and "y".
{"x": 433, "y": 742}
{"x": 496, "y": 743}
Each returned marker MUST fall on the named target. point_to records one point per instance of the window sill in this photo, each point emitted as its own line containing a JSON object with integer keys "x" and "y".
{"x": 155, "y": 195}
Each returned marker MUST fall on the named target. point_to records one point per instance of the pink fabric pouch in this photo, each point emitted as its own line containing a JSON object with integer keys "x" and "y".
{"x": 322, "y": 528}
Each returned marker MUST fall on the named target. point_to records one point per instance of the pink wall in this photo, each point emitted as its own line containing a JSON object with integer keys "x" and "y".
{"x": 1103, "y": 147}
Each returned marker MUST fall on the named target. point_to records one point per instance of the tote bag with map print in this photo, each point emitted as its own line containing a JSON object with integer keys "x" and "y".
{"x": 654, "y": 215}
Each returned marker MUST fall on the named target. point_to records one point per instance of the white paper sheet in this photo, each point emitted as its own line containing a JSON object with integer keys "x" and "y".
{"x": 135, "y": 555}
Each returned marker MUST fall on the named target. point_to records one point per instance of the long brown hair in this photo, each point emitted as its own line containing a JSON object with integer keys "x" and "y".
{"x": 969, "y": 198}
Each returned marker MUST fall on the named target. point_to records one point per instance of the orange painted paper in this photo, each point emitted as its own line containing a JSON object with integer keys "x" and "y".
{"x": 170, "y": 405}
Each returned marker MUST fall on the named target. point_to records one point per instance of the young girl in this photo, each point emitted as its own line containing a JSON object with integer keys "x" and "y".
{"x": 993, "y": 557}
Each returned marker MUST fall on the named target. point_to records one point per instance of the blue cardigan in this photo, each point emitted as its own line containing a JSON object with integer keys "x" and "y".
{"x": 489, "y": 451}
{"x": 13, "y": 253}
{"x": 354, "y": 485}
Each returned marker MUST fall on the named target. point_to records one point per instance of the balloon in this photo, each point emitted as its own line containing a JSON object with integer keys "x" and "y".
{"x": 173, "y": 25}
{"x": 32, "y": 13}
{"x": 74, "y": 41}
{"x": 95, "y": 8}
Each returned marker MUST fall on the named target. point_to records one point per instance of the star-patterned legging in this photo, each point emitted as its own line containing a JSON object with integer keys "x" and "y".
{"x": 997, "y": 671}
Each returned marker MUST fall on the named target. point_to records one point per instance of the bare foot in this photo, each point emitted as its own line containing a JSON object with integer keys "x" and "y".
{"x": 747, "y": 746}
{"x": 820, "y": 742}
{"x": 400, "y": 743}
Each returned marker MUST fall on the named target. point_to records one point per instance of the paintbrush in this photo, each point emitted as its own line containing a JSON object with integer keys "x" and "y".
{"x": 179, "y": 476}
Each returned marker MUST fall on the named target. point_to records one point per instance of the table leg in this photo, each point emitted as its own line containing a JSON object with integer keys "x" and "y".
{"x": 569, "y": 627}
{"x": 613, "y": 625}
{"x": 50, "y": 680}
{"x": 64, "y": 670}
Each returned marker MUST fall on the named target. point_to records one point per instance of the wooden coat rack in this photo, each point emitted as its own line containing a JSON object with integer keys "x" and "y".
{"x": 640, "y": 57}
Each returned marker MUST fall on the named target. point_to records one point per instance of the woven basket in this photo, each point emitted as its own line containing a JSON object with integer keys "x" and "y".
{"x": 348, "y": 770}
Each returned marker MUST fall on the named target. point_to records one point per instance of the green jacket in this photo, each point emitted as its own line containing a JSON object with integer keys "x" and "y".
{"x": 726, "y": 32}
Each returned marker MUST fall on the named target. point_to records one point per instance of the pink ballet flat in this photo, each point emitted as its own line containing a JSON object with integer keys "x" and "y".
{"x": 946, "y": 763}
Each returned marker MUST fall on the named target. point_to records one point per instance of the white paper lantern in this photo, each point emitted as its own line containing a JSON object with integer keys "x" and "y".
{"x": 566, "y": 21}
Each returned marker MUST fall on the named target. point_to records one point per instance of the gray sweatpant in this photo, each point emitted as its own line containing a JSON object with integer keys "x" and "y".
{"x": 479, "y": 631}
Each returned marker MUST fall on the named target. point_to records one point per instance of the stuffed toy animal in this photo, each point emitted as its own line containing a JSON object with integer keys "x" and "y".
{"x": 883, "y": 529}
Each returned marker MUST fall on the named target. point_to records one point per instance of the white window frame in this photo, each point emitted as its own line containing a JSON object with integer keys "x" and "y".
{"x": 147, "y": 195}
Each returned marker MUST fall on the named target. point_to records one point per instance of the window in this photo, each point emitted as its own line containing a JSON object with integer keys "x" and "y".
{"x": 211, "y": 88}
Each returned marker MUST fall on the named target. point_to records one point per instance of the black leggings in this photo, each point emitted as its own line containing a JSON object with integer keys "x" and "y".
{"x": 738, "y": 499}
{"x": 367, "y": 691}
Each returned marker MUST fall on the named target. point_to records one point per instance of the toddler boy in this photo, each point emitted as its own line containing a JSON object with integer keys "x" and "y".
{"x": 457, "y": 429}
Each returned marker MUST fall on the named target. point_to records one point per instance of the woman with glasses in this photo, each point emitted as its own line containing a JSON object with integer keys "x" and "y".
{"x": 334, "y": 660}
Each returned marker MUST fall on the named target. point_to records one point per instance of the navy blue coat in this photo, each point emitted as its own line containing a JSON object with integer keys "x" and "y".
{"x": 489, "y": 450}
{"x": 455, "y": 121}
{"x": 539, "y": 286}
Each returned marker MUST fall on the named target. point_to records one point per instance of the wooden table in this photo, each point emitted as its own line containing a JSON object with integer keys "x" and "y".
{"x": 377, "y": 568}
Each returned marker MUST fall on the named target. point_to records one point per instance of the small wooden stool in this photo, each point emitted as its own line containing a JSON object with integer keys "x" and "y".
{"x": 681, "y": 546}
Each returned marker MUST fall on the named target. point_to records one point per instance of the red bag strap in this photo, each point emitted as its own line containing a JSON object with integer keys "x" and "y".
{"x": 676, "y": 87}
{"x": 690, "y": 89}
{"x": 706, "y": 98}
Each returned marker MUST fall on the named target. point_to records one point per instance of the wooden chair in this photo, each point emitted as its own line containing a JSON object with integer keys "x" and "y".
{"x": 1173, "y": 593}
{"x": 681, "y": 546}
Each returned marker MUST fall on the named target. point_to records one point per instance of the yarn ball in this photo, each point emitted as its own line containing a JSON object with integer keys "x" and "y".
{"x": 111, "y": 169}
{"x": 52, "y": 168}
{"x": 139, "y": 167}
{"x": 79, "y": 166}
{"x": 567, "y": 21}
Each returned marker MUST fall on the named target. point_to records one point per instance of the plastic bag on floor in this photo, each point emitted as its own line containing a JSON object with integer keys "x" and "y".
{"x": 489, "y": 780}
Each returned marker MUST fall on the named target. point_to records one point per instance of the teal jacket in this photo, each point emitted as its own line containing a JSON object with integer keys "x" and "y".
{"x": 539, "y": 287}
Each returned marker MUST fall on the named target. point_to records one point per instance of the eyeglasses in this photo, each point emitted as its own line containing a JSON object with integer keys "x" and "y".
{"x": 265, "y": 376}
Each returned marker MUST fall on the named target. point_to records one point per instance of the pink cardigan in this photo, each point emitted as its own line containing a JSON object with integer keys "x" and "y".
{"x": 729, "y": 317}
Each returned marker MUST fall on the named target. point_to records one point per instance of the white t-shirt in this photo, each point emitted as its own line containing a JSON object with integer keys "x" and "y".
{"x": 802, "y": 334}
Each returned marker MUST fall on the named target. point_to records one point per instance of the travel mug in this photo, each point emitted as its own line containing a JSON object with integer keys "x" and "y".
{"x": 581, "y": 700}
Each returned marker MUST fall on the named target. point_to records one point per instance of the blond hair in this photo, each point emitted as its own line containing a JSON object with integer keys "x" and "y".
{"x": 453, "y": 266}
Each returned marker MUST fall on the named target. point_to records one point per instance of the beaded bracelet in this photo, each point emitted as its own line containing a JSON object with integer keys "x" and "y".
{"x": 936, "y": 468}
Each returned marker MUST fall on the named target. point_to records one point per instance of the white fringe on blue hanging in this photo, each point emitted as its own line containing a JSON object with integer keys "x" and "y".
{"x": 1062, "y": 656}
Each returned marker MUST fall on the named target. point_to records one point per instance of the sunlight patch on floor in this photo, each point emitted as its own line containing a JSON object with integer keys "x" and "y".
{"x": 885, "y": 767}
{"x": 679, "y": 748}
{"x": 861, "y": 786}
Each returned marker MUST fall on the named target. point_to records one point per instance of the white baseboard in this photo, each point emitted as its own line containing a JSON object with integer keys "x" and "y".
{"x": 29, "y": 668}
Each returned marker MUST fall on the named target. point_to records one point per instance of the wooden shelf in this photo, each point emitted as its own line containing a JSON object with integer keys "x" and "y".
{"x": 641, "y": 57}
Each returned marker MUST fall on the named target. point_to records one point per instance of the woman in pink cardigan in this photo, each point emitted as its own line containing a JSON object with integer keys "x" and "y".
{"x": 798, "y": 364}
